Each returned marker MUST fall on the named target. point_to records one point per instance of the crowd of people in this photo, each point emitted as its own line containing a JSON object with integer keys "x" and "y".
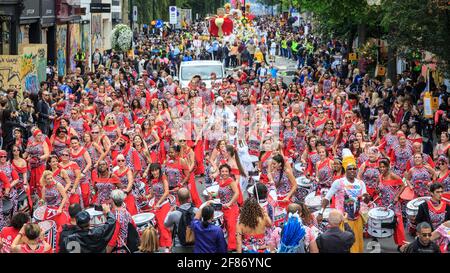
{"x": 124, "y": 138}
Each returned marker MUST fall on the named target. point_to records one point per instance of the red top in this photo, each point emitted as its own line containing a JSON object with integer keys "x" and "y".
{"x": 7, "y": 236}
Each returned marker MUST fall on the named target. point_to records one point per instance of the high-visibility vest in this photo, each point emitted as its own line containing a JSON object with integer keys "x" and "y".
{"x": 284, "y": 44}
{"x": 294, "y": 46}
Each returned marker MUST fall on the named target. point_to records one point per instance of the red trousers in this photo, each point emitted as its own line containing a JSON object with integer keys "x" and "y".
{"x": 230, "y": 216}
{"x": 399, "y": 231}
{"x": 165, "y": 236}
{"x": 35, "y": 179}
{"x": 85, "y": 194}
{"x": 199, "y": 157}
{"x": 192, "y": 186}
{"x": 130, "y": 202}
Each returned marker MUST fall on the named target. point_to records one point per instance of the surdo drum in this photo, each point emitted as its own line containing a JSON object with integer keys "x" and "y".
{"x": 211, "y": 191}
{"x": 412, "y": 208}
{"x": 378, "y": 216}
{"x": 97, "y": 217}
{"x": 48, "y": 227}
{"x": 324, "y": 224}
{"x": 144, "y": 220}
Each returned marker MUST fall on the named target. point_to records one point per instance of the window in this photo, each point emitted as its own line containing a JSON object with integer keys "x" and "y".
{"x": 5, "y": 32}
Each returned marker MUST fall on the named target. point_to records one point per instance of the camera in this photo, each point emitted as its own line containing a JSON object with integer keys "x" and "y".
{"x": 217, "y": 206}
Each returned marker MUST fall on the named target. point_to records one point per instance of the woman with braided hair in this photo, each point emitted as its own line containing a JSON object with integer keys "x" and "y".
{"x": 251, "y": 228}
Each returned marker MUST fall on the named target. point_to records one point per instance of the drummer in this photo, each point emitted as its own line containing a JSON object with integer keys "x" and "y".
{"x": 434, "y": 211}
{"x": 13, "y": 177}
{"x": 349, "y": 192}
{"x": 229, "y": 194}
{"x": 54, "y": 196}
{"x": 104, "y": 182}
{"x": 159, "y": 190}
{"x": 389, "y": 189}
{"x": 173, "y": 219}
{"x": 283, "y": 179}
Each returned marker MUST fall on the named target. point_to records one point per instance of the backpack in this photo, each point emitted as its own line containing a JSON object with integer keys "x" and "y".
{"x": 184, "y": 232}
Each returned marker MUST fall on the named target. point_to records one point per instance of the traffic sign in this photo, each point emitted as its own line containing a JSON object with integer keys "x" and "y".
{"x": 135, "y": 14}
{"x": 159, "y": 23}
{"x": 173, "y": 15}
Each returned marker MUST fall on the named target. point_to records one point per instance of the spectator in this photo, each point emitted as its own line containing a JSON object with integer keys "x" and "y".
{"x": 91, "y": 240}
{"x": 68, "y": 229}
{"x": 185, "y": 211}
{"x": 423, "y": 243}
{"x": 335, "y": 239}
{"x": 209, "y": 238}
{"x": 149, "y": 241}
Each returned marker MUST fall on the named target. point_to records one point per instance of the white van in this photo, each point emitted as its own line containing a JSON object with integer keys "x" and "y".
{"x": 203, "y": 68}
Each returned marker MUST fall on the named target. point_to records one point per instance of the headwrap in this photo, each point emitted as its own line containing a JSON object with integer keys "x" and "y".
{"x": 441, "y": 158}
{"x": 347, "y": 158}
{"x": 2, "y": 153}
{"x": 125, "y": 137}
{"x": 37, "y": 132}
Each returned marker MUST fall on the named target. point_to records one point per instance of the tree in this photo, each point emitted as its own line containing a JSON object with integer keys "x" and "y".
{"x": 419, "y": 25}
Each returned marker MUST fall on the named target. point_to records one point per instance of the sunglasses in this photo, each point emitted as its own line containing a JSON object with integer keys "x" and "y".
{"x": 442, "y": 163}
{"x": 16, "y": 150}
{"x": 120, "y": 160}
{"x": 64, "y": 154}
{"x": 425, "y": 234}
{"x": 351, "y": 169}
{"x": 95, "y": 132}
{"x": 3, "y": 156}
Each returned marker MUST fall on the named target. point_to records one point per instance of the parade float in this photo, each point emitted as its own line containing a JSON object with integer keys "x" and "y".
{"x": 232, "y": 23}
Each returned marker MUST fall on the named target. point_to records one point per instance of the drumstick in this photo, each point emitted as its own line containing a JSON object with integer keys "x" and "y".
{"x": 374, "y": 200}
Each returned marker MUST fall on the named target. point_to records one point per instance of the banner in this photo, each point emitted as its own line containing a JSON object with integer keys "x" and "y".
{"x": 74, "y": 44}
{"x": 9, "y": 72}
{"x": 96, "y": 32}
{"x": 61, "y": 43}
{"x": 32, "y": 66}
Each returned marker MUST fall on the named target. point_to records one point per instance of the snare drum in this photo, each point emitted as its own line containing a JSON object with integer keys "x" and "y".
{"x": 171, "y": 199}
{"x": 279, "y": 215}
{"x": 251, "y": 191}
{"x": 378, "y": 216}
{"x": 412, "y": 207}
{"x": 48, "y": 227}
{"x": 39, "y": 213}
{"x": 218, "y": 219}
{"x": 313, "y": 201}
{"x": 299, "y": 167}
{"x": 141, "y": 188}
{"x": 253, "y": 158}
{"x": 304, "y": 188}
{"x": 97, "y": 217}
{"x": 324, "y": 224}
{"x": 7, "y": 207}
{"x": 211, "y": 191}
{"x": 144, "y": 220}
{"x": 23, "y": 201}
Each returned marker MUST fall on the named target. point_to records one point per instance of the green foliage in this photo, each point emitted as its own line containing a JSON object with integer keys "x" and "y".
{"x": 419, "y": 25}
